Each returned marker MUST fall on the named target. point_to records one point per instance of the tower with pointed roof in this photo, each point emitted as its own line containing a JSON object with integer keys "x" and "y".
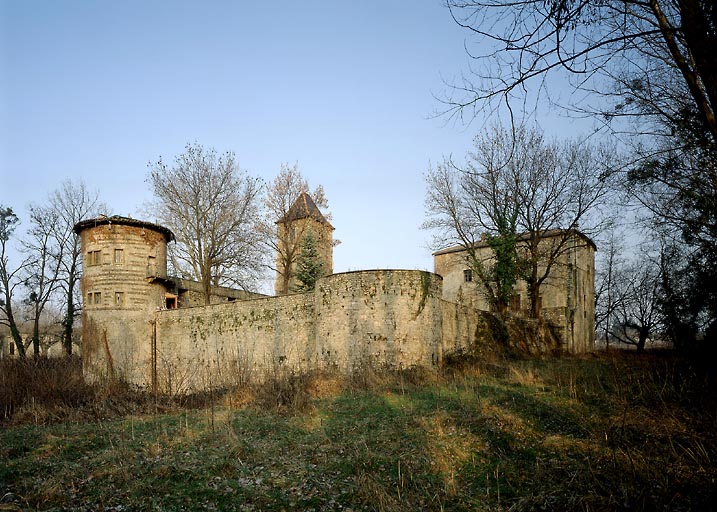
{"x": 302, "y": 219}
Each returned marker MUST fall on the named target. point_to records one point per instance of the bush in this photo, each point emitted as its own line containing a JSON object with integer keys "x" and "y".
{"x": 41, "y": 387}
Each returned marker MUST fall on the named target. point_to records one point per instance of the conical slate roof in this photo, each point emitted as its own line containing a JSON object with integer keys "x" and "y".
{"x": 304, "y": 207}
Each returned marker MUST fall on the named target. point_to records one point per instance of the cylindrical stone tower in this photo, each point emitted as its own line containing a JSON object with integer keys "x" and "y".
{"x": 123, "y": 283}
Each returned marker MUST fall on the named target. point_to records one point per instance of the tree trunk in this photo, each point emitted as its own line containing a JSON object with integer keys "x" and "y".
{"x": 534, "y": 292}
{"x": 69, "y": 321}
{"x": 17, "y": 338}
{"x": 36, "y": 337}
{"x": 207, "y": 287}
{"x": 641, "y": 340}
{"x": 68, "y": 327}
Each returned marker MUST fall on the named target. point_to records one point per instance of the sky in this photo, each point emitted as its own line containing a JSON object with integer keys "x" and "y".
{"x": 96, "y": 90}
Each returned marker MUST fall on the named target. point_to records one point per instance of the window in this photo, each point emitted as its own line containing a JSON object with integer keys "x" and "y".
{"x": 119, "y": 255}
{"x": 468, "y": 275}
{"x": 119, "y": 298}
{"x": 97, "y": 298}
{"x": 151, "y": 266}
{"x": 170, "y": 301}
{"x": 94, "y": 258}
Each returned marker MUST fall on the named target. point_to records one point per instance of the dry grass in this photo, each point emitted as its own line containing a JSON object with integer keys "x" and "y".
{"x": 608, "y": 432}
{"x": 41, "y": 391}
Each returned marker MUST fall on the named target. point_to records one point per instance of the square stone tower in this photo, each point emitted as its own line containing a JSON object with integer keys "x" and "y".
{"x": 302, "y": 219}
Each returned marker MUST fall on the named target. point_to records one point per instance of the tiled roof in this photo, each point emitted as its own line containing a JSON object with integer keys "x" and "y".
{"x": 304, "y": 207}
{"x": 103, "y": 220}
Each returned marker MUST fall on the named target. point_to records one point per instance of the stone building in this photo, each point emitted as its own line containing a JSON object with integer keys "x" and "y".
{"x": 567, "y": 296}
{"x": 141, "y": 325}
{"x": 124, "y": 282}
{"x": 303, "y": 219}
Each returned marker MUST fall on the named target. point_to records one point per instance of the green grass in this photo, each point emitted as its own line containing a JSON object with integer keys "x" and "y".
{"x": 598, "y": 433}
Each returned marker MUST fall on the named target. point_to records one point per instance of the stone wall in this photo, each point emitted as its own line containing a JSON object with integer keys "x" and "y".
{"x": 380, "y": 317}
{"x": 221, "y": 344}
{"x": 385, "y": 317}
{"x": 191, "y": 294}
{"x": 122, "y": 286}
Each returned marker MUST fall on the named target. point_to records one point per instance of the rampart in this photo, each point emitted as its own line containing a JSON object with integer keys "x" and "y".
{"x": 378, "y": 317}
{"x": 395, "y": 318}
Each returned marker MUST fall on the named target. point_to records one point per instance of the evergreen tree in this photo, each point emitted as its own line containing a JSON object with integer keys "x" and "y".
{"x": 309, "y": 267}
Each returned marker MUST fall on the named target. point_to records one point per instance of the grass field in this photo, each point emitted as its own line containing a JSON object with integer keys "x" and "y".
{"x": 609, "y": 432}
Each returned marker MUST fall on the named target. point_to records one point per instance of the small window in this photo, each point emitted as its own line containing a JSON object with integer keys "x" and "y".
{"x": 97, "y": 297}
{"x": 12, "y": 348}
{"x": 170, "y": 301}
{"x": 151, "y": 266}
{"x": 119, "y": 255}
{"x": 94, "y": 258}
{"x": 119, "y": 298}
{"x": 468, "y": 275}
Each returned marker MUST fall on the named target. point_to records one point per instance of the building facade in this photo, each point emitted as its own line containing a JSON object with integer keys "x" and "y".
{"x": 567, "y": 296}
{"x": 153, "y": 330}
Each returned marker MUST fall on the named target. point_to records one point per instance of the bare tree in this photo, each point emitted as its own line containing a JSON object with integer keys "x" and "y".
{"x": 45, "y": 252}
{"x": 592, "y": 42}
{"x": 566, "y": 189}
{"x": 72, "y": 202}
{"x": 609, "y": 292}
{"x": 280, "y": 196}
{"x": 211, "y": 205}
{"x": 519, "y": 187}
{"x": 638, "y": 316}
{"x": 476, "y": 203}
{"x": 9, "y": 277}
{"x": 645, "y": 70}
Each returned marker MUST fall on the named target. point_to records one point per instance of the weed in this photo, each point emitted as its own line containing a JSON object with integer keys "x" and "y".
{"x": 582, "y": 433}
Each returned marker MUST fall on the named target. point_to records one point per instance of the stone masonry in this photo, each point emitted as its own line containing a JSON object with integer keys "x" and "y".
{"x": 141, "y": 325}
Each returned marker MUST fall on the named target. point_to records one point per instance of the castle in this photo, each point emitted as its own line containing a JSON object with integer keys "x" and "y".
{"x": 154, "y": 330}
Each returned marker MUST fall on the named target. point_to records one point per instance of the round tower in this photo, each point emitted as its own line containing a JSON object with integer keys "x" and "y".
{"x": 123, "y": 283}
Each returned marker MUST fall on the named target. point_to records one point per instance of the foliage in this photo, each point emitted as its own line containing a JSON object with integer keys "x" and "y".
{"x": 601, "y": 433}
{"x": 678, "y": 186}
{"x": 309, "y": 267}
{"x": 516, "y": 188}
{"x": 212, "y": 207}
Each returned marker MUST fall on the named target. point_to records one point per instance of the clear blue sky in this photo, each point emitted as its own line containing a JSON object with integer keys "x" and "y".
{"x": 97, "y": 89}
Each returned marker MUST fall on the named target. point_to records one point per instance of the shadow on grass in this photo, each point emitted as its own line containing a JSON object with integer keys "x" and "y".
{"x": 475, "y": 441}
